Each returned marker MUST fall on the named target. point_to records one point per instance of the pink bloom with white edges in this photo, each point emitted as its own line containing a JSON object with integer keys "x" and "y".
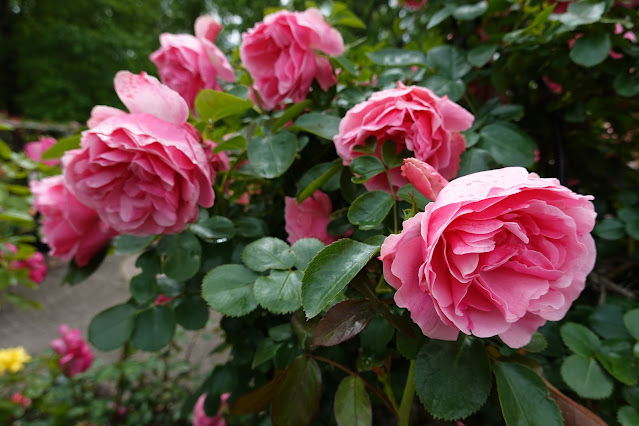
{"x": 145, "y": 172}
{"x": 76, "y": 354}
{"x": 282, "y": 55}
{"x": 199, "y": 415}
{"x": 309, "y": 218}
{"x": 498, "y": 253}
{"x": 188, "y": 64}
{"x": 413, "y": 118}
{"x": 34, "y": 150}
{"x": 69, "y": 228}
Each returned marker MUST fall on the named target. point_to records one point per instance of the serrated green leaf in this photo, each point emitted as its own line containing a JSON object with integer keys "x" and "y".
{"x": 620, "y": 365}
{"x": 352, "y": 404}
{"x": 265, "y": 351}
{"x": 450, "y": 61}
{"x": 305, "y": 249}
{"x": 268, "y": 253}
{"x": 154, "y": 329}
{"x": 366, "y": 166}
{"x": 523, "y": 397}
{"x": 452, "y": 379}
{"x": 397, "y": 57}
{"x": 585, "y": 376}
{"x": 144, "y": 287}
{"x": 626, "y": 84}
{"x": 537, "y": 343}
{"x": 213, "y": 105}
{"x": 270, "y": 156}
{"x": 297, "y": 401}
{"x": 579, "y": 339}
{"x": 631, "y": 321}
{"x": 130, "y": 244}
{"x": 322, "y": 125}
{"x": 610, "y": 229}
{"x": 229, "y": 290}
{"x": 213, "y": 228}
{"x": 183, "y": 255}
{"x": 280, "y": 292}
{"x": 480, "y": 55}
{"x": 508, "y": 145}
{"x": 112, "y": 327}
{"x": 192, "y": 313}
{"x": 331, "y": 270}
{"x": 370, "y": 209}
{"x": 628, "y": 416}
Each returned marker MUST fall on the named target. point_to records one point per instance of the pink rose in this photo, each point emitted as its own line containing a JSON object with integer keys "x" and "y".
{"x": 18, "y": 398}
{"x": 199, "y": 415}
{"x": 188, "y": 64}
{"x": 144, "y": 172}
{"x": 309, "y": 219}
{"x": 34, "y": 150}
{"x": 69, "y": 228}
{"x": 498, "y": 253}
{"x": 76, "y": 355}
{"x": 562, "y": 5}
{"x": 414, "y": 4}
{"x": 281, "y": 56}
{"x": 413, "y": 118}
{"x": 35, "y": 264}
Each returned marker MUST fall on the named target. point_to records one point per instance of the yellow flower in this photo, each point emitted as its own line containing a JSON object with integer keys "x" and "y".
{"x": 13, "y": 359}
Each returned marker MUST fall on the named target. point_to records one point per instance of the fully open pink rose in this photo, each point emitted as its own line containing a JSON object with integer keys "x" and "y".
{"x": 413, "y": 118}
{"x": 309, "y": 219}
{"x": 188, "y": 64}
{"x": 69, "y": 228}
{"x": 199, "y": 415}
{"x": 34, "y": 150}
{"x": 282, "y": 55}
{"x": 144, "y": 172}
{"x": 498, "y": 253}
{"x": 76, "y": 354}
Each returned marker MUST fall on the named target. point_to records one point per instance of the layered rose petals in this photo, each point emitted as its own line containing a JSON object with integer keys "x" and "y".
{"x": 498, "y": 253}
{"x": 76, "y": 356}
{"x": 309, "y": 219}
{"x": 413, "y": 118}
{"x": 281, "y": 55}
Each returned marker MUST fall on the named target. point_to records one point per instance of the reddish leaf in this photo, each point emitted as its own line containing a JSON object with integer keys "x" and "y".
{"x": 259, "y": 399}
{"x": 344, "y": 321}
{"x": 297, "y": 401}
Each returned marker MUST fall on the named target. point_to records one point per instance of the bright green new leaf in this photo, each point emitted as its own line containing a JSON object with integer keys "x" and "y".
{"x": 61, "y": 146}
{"x": 213, "y": 105}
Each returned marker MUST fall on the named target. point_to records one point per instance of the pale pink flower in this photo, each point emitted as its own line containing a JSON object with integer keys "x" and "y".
{"x": 498, "y": 253}
{"x": 34, "y": 150}
{"x": 282, "y": 55}
{"x": 69, "y": 228}
{"x": 144, "y": 172}
{"x": 199, "y": 415}
{"x": 188, "y": 64}
{"x": 309, "y": 218}
{"x": 76, "y": 356}
{"x": 413, "y": 118}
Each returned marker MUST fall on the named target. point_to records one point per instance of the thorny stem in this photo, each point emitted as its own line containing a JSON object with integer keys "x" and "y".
{"x": 373, "y": 389}
{"x": 408, "y": 396}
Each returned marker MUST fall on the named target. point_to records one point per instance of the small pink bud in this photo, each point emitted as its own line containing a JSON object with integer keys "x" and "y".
{"x": 424, "y": 177}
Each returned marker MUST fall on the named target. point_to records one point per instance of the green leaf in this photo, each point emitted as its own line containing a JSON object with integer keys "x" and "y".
{"x": 270, "y": 156}
{"x": 305, "y": 249}
{"x": 130, "y": 244}
{"x": 630, "y": 216}
{"x": 352, "y": 404}
{"x": 268, "y": 253}
{"x": 229, "y": 290}
{"x": 290, "y": 113}
{"x": 537, "y": 343}
{"x": 61, "y": 146}
{"x": 610, "y": 229}
{"x": 192, "y": 313}
{"x": 19, "y": 218}
{"x": 347, "y": 19}
{"x": 452, "y": 379}
{"x": 259, "y": 399}
{"x": 607, "y": 321}
{"x": 322, "y": 125}
{"x": 619, "y": 365}
{"x": 581, "y": 13}
{"x": 298, "y": 398}
{"x": 475, "y": 160}
{"x": 183, "y": 255}
{"x": 523, "y": 397}
{"x": 375, "y": 337}
{"x": 628, "y": 416}
{"x": 170, "y": 287}
{"x": 236, "y": 142}
{"x": 591, "y": 49}
{"x": 112, "y": 327}
{"x": 250, "y": 227}
{"x": 345, "y": 64}
{"x": 439, "y": 17}
{"x": 397, "y": 57}
{"x": 212, "y": 105}
{"x": 280, "y": 292}
{"x": 585, "y": 376}
{"x": 480, "y": 55}
{"x": 329, "y": 171}
{"x": 154, "y": 329}
{"x": 366, "y": 166}
{"x": 468, "y": 12}
{"x": 408, "y": 192}
{"x": 265, "y": 351}
{"x": 344, "y": 321}
{"x": 144, "y": 287}
{"x": 443, "y": 85}
{"x": 450, "y": 61}
{"x": 213, "y": 228}
{"x": 631, "y": 321}
{"x": 390, "y": 157}
{"x": 508, "y": 145}
{"x": 329, "y": 272}
{"x": 579, "y": 339}
{"x": 626, "y": 85}
{"x": 370, "y": 209}
{"x": 76, "y": 274}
